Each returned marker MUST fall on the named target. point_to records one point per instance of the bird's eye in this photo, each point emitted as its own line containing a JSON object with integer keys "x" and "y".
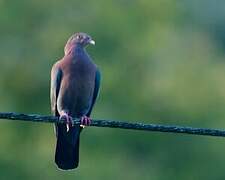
{"x": 79, "y": 36}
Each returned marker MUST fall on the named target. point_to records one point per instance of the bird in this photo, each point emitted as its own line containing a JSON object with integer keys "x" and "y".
{"x": 75, "y": 82}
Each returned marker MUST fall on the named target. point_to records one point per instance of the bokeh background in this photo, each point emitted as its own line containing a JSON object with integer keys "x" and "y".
{"x": 162, "y": 62}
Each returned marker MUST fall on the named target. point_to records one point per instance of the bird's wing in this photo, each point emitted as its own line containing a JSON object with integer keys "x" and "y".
{"x": 56, "y": 77}
{"x": 96, "y": 90}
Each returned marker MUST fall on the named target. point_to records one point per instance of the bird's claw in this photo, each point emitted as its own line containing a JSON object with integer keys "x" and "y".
{"x": 69, "y": 120}
{"x": 85, "y": 121}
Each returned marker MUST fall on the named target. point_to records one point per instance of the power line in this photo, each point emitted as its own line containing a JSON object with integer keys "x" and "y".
{"x": 117, "y": 124}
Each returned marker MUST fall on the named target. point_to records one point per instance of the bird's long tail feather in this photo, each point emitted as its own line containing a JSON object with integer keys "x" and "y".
{"x": 67, "y": 147}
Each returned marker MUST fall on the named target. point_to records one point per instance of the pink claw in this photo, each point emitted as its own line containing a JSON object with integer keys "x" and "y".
{"x": 85, "y": 121}
{"x": 69, "y": 120}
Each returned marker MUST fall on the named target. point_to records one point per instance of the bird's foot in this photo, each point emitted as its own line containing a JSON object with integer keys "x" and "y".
{"x": 68, "y": 119}
{"x": 85, "y": 121}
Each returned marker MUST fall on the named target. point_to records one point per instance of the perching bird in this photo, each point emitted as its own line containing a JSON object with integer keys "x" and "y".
{"x": 75, "y": 81}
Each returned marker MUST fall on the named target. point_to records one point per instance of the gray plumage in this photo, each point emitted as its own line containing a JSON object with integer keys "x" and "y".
{"x": 75, "y": 81}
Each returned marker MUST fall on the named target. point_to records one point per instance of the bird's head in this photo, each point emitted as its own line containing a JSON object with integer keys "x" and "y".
{"x": 78, "y": 39}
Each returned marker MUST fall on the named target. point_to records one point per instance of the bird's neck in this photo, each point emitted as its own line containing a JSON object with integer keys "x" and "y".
{"x": 77, "y": 52}
{"x": 74, "y": 49}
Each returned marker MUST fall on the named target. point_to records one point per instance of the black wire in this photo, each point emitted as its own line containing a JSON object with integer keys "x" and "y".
{"x": 118, "y": 124}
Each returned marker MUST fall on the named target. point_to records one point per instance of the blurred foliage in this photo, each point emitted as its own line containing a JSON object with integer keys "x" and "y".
{"x": 162, "y": 62}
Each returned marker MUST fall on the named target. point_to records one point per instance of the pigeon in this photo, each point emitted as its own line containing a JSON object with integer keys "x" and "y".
{"x": 75, "y": 82}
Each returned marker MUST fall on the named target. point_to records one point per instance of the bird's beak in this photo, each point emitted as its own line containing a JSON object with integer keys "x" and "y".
{"x": 92, "y": 42}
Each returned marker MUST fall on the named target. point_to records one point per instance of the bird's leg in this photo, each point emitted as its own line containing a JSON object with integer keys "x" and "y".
{"x": 85, "y": 121}
{"x": 69, "y": 120}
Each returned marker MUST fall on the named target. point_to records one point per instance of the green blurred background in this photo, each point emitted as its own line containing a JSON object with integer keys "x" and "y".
{"x": 161, "y": 61}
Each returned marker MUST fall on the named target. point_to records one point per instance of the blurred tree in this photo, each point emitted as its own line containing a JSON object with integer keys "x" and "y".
{"x": 162, "y": 61}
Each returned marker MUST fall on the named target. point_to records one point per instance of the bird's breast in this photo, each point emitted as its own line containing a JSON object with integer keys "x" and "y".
{"x": 77, "y": 89}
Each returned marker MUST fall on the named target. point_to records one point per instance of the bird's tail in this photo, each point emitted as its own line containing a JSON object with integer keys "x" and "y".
{"x": 67, "y": 147}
